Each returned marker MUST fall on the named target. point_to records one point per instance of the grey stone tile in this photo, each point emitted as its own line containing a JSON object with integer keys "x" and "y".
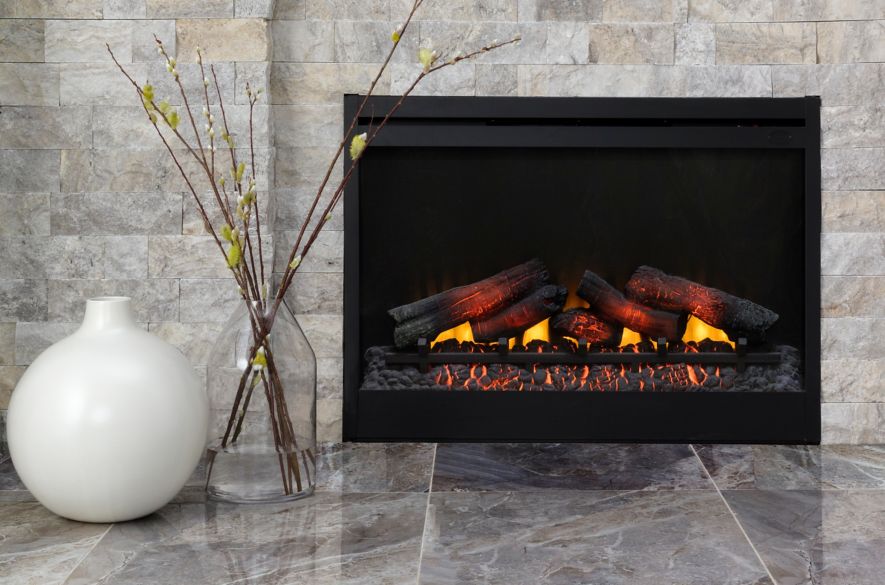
{"x": 632, "y": 43}
{"x": 838, "y": 85}
{"x": 853, "y": 423}
{"x": 144, "y": 46}
{"x": 329, "y": 426}
{"x": 290, "y": 9}
{"x": 853, "y": 126}
{"x": 307, "y": 126}
{"x": 853, "y": 296}
{"x": 257, "y": 74}
{"x": 46, "y": 128}
{"x": 22, "y": 300}
{"x": 326, "y": 254}
{"x": 525, "y": 467}
{"x": 794, "y": 467}
{"x": 807, "y": 537}
{"x": 235, "y": 39}
{"x": 455, "y": 81}
{"x": 24, "y": 214}
{"x": 7, "y": 345}
{"x": 154, "y": 299}
{"x": 185, "y": 257}
{"x": 316, "y": 292}
{"x": 83, "y": 41}
{"x": 845, "y": 254}
{"x": 32, "y": 339}
{"x": 51, "y": 9}
{"x": 208, "y": 299}
{"x": 330, "y": 377}
{"x": 644, "y": 11}
{"x": 751, "y": 43}
{"x": 253, "y": 8}
{"x": 351, "y": 10}
{"x": 21, "y": 41}
{"x": 29, "y": 84}
{"x": 113, "y": 9}
{"x": 35, "y": 257}
{"x": 303, "y": 41}
{"x": 303, "y": 168}
{"x": 497, "y": 80}
{"x": 449, "y": 38}
{"x": 193, "y": 224}
{"x": 685, "y": 537}
{"x": 192, "y": 79}
{"x": 852, "y": 169}
{"x": 323, "y": 83}
{"x": 120, "y": 171}
{"x": 470, "y": 10}
{"x": 195, "y": 340}
{"x": 852, "y": 380}
{"x": 566, "y": 43}
{"x": 827, "y": 10}
{"x": 852, "y": 337}
{"x": 570, "y": 10}
{"x": 730, "y": 10}
{"x": 40, "y": 547}
{"x": 292, "y": 206}
{"x": 29, "y": 171}
{"x": 851, "y": 42}
{"x": 327, "y": 538}
{"x": 9, "y": 377}
{"x": 695, "y": 44}
{"x": 116, "y": 213}
{"x": 369, "y": 42}
{"x": 324, "y": 333}
{"x": 375, "y": 467}
{"x": 853, "y": 211}
{"x": 98, "y": 83}
{"x": 176, "y": 9}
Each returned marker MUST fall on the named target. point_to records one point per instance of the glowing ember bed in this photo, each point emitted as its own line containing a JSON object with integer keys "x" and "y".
{"x": 579, "y": 269}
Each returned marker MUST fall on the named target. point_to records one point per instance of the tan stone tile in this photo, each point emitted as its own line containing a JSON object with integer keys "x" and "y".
{"x": 239, "y": 39}
{"x": 763, "y": 43}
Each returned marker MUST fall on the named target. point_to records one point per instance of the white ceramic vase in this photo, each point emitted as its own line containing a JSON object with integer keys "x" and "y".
{"x": 107, "y": 424}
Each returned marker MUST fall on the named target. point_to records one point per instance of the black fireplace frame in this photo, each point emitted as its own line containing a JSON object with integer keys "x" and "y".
{"x": 721, "y": 417}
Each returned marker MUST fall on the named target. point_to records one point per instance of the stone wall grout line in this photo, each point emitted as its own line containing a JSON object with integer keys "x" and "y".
{"x": 733, "y": 515}
{"x": 426, "y": 515}
{"x": 89, "y": 552}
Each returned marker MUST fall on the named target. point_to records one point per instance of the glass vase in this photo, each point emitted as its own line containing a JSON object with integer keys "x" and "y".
{"x": 262, "y": 393}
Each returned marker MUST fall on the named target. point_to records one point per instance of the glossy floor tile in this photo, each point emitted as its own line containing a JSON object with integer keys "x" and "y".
{"x": 375, "y": 467}
{"x": 636, "y": 538}
{"x": 815, "y": 537}
{"x": 566, "y": 466}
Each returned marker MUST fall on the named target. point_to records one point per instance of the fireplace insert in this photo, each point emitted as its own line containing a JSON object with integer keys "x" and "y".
{"x": 584, "y": 269}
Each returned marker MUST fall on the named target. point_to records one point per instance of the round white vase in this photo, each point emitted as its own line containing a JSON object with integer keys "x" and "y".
{"x": 107, "y": 424}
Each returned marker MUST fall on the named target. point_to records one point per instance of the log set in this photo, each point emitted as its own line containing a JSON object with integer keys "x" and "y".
{"x": 518, "y": 317}
{"x": 582, "y": 324}
{"x": 734, "y": 315}
{"x": 610, "y": 305}
{"x": 432, "y": 315}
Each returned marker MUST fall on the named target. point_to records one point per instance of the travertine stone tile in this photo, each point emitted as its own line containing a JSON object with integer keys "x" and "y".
{"x": 632, "y": 43}
{"x": 303, "y": 168}
{"x": 329, "y": 419}
{"x": 74, "y": 257}
{"x": 846, "y": 254}
{"x": 496, "y": 80}
{"x": 192, "y": 78}
{"x": 46, "y": 128}
{"x": 9, "y": 377}
{"x": 472, "y": 10}
{"x": 83, "y": 41}
{"x": 730, "y": 10}
{"x": 185, "y": 257}
{"x": 695, "y": 44}
{"x": 29, "y": 84}
{"x": 851, "y": 42}
{"x": 449, "y": 38}
{"x": 28, "y": 171}
{"x": 116, "y": 170}
{"x": 324, "y": 333}
{"x": 307, "y": 126}
{"x": 24, "y": 214}
{"x": 353, "y": 10}
{"x": 195, "y": 340}
{"x": 316, "y": 292}
{"x": 154, "y": 299}
{"x": 98, "y": 84}
{"x": 323, "y": 83}
{"x": 32, "y": 339}
{"x": 330, "y": 377}
{"x": 326, "y": 254}
{"x": 853, "y": 296}
{"x": 369, "y": 42}
{"x": 853, "y": 423}
{"x": 852, "y": 380}
{"x": 750, "y": 43}
{"x": 644, "y": 11}
{"x": 7, "y": 344}
{"x": 257, "y": 75}
{"x": 852, "y": 337}
{"x": 850, "y": 169}
{"x": 144, "y": 46}
{"x": 237, "y": 39}
{"x": 21, "y": 41}
{"x": 51, "y": 9}
{"x": 192, "y": 223}
{"x": 253, "y": 8}
{"x": 178, "y": 9}
{"x": 457, "y": 80}
{"x": 123, "y": 9}
{"x": 853, "y": 126}
{"x": 208, "y": 299}
{"x": 827, "y": 10}
{"x": 566, "y": 43}
{"x": 838, "y": 85}
{"x": 290, "y": 9}
{"x": 292, "y": 206}
{"x": 22, "y": 300}
{"x": 303, "y": 41}
{"x": 853, "y": 211}
{"x": 573, "y": 10}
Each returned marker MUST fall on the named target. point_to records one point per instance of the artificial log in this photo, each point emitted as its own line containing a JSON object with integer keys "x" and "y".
{"x": 432, "y": 315}
{"x": 736, "y": 316}
{"x": 610, "y": 305}
{"x": 582, "y": 324}
{"x": 518, "y": 317}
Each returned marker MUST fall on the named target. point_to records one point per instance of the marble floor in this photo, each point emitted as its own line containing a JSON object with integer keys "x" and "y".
{"x": 497, "y": 514}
